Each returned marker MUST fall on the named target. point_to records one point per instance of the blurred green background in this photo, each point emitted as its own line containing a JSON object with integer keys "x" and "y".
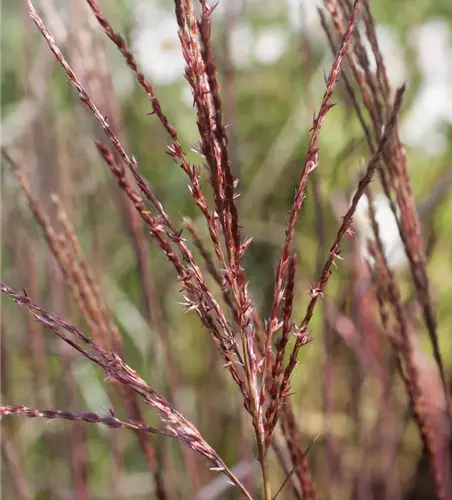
{"x": 271, "y": 58}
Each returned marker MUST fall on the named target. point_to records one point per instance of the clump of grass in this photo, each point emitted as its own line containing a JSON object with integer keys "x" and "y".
{"x": 260, "y": 352}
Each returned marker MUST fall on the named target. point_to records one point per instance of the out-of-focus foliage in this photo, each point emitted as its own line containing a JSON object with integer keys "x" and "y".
{"x": 278, "y": 54}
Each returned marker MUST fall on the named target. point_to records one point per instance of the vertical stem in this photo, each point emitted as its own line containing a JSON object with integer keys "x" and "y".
{"x": 255, "y": 414}
{"x": 265, "y": 477}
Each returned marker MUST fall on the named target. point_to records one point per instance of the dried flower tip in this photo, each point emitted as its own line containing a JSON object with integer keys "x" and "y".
{"x": 197, "y": 149}
{"x": 317, "y": 292}
{"x": 299, "y": 331}
{"x": 311, "y": 166}
{"x": 245, "y": 244}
